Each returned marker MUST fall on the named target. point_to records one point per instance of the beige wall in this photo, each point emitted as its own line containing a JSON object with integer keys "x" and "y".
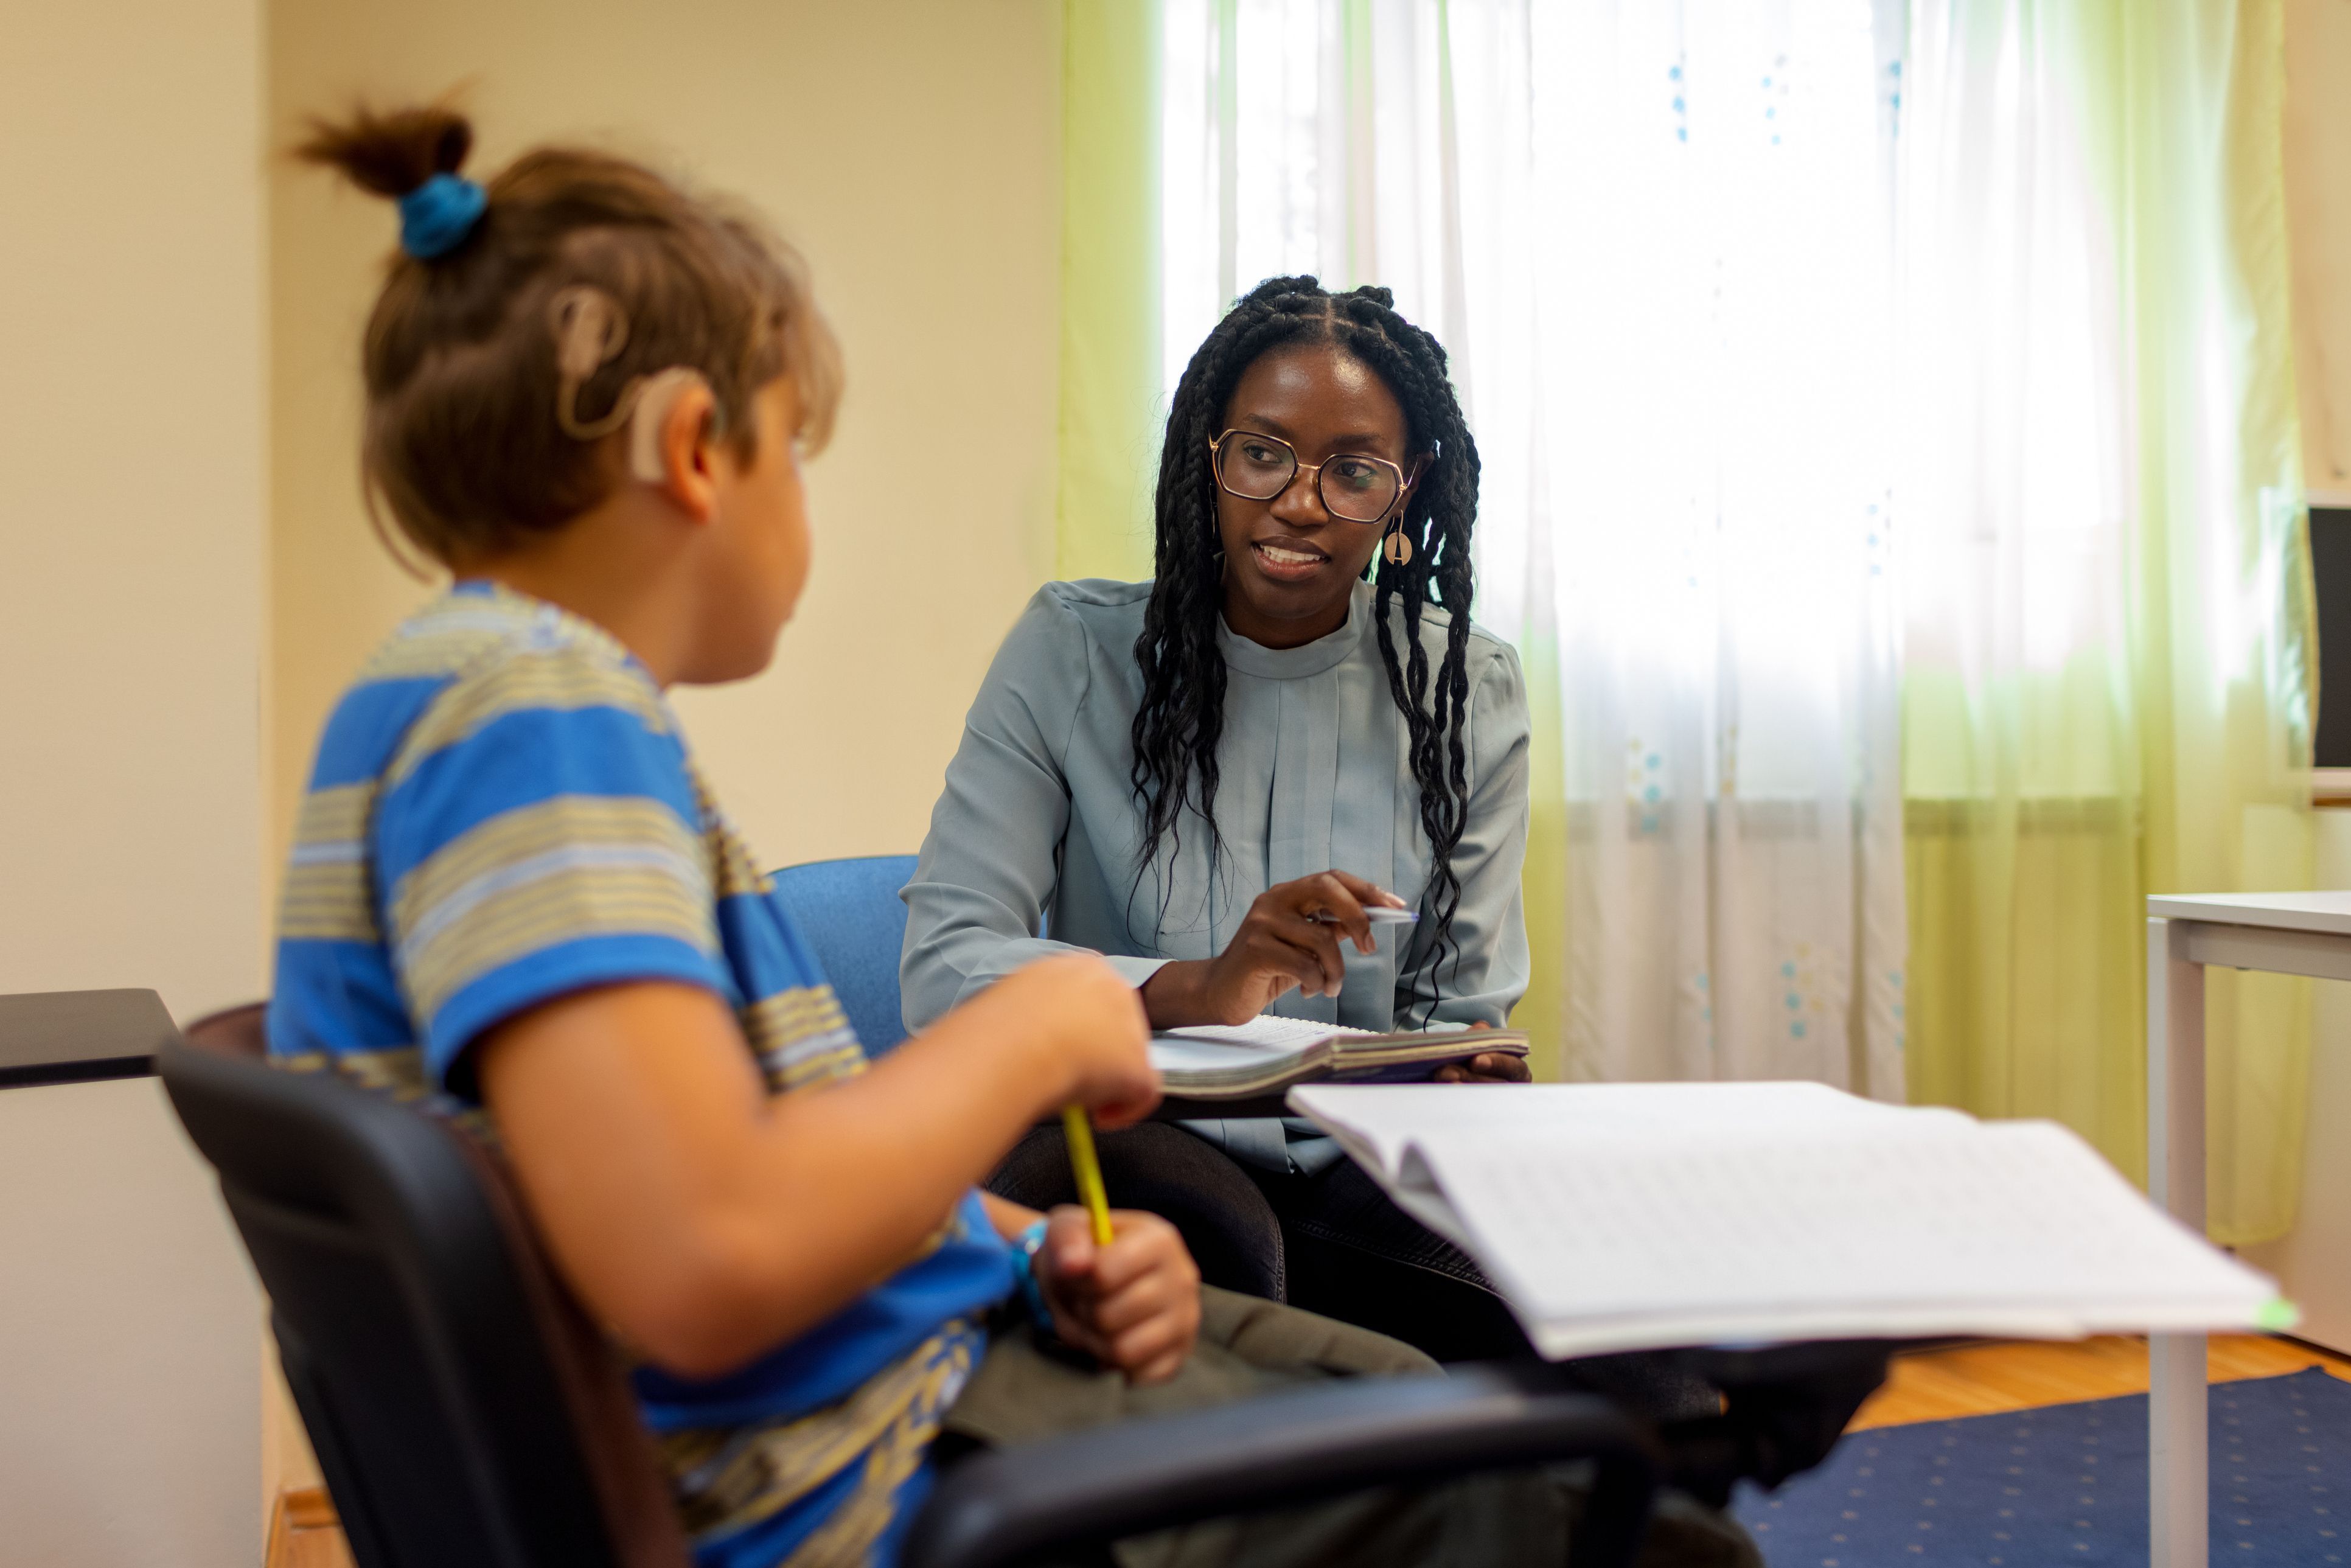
{"x": 912, "y": 149}
{"x": 132, "y": 499}
{"x": 2318, "y": 197}
{"x": 129, "y": 1427}
{"x": 132, "y": 614}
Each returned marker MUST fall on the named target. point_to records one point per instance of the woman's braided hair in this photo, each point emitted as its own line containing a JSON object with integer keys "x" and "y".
{"x": 1182, "y": 715}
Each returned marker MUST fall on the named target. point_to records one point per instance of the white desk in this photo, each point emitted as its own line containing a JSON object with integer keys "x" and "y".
{"x": 2286, "y": 933}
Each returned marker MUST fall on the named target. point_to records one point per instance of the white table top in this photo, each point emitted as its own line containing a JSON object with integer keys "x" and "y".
{"x": 2323, "y": 912}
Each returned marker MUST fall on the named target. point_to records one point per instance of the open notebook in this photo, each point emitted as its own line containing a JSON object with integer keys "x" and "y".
{"x": 1219, "y": 1061}
{"x": 1634, "y": 1216}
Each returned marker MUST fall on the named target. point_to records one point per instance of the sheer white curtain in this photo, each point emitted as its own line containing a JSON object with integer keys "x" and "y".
{"x": 1658, "y": 240}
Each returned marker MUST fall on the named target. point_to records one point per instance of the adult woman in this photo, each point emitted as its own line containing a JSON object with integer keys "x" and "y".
{"x": 1209, "y": 775}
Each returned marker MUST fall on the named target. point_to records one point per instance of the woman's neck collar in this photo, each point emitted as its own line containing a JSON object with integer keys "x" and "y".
{"x": 1254, "y": 658}
{"x": 1282, "y": 635}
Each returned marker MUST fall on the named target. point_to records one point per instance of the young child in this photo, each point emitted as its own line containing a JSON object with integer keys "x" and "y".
{"x": 587, "y": 392}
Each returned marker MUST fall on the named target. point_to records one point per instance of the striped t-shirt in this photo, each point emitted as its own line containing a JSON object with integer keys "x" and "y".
{"x": 502, "y": 812}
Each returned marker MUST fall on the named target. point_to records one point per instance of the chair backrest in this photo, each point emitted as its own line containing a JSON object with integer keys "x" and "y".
{"x": 852, "y": 915}
{"x": 464, "y": 1409}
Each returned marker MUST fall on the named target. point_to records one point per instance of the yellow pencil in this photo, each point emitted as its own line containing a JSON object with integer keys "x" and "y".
{"x": 1081, "y": 1135}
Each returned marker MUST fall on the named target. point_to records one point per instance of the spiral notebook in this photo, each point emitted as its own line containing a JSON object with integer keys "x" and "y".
{"x": 1644, "y": 1215}
{"x": 1240, "y": 1061}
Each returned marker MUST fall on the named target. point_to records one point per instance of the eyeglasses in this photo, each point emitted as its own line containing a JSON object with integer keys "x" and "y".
{"x": 1354, "y": 488}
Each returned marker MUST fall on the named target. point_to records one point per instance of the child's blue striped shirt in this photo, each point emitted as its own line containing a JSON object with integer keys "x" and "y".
{"x": 503, "y": 810}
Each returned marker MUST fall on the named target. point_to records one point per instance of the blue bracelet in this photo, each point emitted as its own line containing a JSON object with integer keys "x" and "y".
{"x": 1025, "y": 1247}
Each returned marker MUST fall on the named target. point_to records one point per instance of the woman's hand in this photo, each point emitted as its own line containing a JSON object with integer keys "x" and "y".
{"x": 1133, "y": 1304}
{"x": 1288, "y": 938}
{"x": 1494, "y": 1066}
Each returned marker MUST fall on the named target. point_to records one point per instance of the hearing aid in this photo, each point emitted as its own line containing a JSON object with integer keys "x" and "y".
{"x": 656, "y": 394}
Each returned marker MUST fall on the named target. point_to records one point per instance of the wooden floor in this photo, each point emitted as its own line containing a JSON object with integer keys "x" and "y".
{"x": 1932, "y": 1386}
{"x": 1985, "y": 1379}
{"x": 303, "y": 1533}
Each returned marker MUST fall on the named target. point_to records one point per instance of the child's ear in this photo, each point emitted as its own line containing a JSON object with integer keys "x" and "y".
{"x": 671, "y": 441}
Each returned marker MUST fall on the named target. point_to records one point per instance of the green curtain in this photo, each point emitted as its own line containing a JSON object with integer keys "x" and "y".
{"x": 2047, "y": 797}
{"x": 1542, "y": 1011}
{"x": 1110, "y": 414}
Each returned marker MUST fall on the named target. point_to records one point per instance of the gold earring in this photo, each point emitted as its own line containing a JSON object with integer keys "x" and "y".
{"x": 1399, "y": 548}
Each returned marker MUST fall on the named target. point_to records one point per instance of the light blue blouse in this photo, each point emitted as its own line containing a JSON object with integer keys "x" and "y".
{"x": 1038, "y": 828}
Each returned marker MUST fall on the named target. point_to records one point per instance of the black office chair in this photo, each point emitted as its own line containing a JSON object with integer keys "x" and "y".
{"x": 466, "y": 1412}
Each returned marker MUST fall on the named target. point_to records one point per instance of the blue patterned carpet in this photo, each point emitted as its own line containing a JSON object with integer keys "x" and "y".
{"x": 2067, "y": 1485}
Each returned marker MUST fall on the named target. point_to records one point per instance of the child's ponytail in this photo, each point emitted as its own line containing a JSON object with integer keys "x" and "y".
{"x": 390, "y": 154}
{"x": 476, "y": 436}
{"x": 413, "y": 156}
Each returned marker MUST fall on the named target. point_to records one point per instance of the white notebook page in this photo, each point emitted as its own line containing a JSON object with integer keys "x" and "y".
{"x": 1374, "y": 1123}
{"x": 1880, "y": 1226}
{"x": 1264, "y": 1038}
{"x": 1175, "y": 1053}
{"x": 1267, "y": 1030}
{"x": 1633, "y": 1215}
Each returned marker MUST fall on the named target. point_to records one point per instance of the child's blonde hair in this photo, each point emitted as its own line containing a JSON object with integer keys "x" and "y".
{"x": 475, "y": 438}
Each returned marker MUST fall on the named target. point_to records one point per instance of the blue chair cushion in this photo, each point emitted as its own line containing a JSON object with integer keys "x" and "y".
{"x": 851, "y": 915}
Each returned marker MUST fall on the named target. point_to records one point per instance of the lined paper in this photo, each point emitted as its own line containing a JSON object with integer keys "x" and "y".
{"x": 1641, "y": 1216}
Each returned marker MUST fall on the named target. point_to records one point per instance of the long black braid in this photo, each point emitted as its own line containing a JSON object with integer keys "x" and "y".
{"x": 1182, "y": 716}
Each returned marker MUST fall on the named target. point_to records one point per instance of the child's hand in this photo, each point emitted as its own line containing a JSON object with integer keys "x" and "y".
{"x": 1134, "y": 1304}
{"x": 1088, "y": 1023}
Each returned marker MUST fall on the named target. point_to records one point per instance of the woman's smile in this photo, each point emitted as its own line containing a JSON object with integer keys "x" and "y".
{"x": 1288, "y": 560}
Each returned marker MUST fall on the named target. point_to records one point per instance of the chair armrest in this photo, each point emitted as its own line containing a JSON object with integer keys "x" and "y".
{"x": 1011, "y": 1504}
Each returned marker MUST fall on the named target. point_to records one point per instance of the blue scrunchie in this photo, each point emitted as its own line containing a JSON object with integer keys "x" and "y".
{"x": 437, "y": 216}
